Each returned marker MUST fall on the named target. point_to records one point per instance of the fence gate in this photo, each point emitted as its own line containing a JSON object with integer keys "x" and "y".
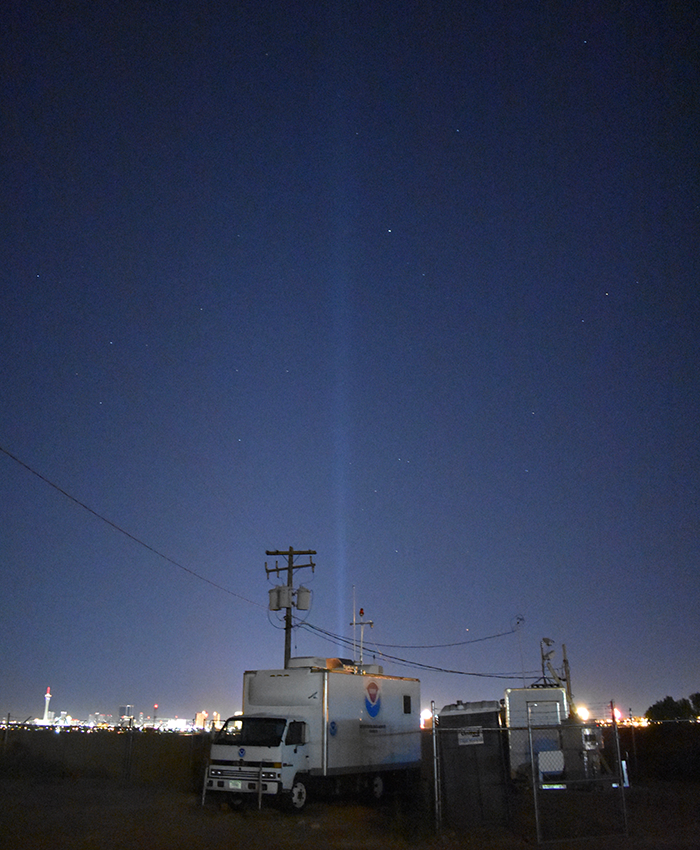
{"x": 578, "y": 790}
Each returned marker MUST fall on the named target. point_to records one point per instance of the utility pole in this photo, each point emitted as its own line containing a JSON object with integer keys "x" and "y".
{"x": 290, "y": 554}
{"x": 567, "y": 678}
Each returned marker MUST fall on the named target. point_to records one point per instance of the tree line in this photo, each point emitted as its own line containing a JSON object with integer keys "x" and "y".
{"x": 674, "y": 709}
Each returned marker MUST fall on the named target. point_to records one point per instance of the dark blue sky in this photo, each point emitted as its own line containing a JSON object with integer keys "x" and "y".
{"x": 414, "y": 286}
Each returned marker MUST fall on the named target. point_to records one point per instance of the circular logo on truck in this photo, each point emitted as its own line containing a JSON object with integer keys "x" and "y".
{"x": 373, "y": 700}
{"x": 241, "y": 752}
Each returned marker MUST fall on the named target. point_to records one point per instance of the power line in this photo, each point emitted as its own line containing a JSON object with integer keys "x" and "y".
{"x": 347, "y": 642}
{"x": 125, "y": 532}
{"x": 326, "y": 635}
{"x": 444, "y": 645}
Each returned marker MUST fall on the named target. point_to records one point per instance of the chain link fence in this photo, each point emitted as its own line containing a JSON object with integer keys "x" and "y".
{"x": 546, "y": 781}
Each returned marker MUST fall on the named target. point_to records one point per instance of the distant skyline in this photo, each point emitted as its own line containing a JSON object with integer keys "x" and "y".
{"x": 416, "y": 288}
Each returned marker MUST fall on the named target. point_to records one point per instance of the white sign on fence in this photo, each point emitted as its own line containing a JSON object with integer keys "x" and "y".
{"x": 469, "y": 735}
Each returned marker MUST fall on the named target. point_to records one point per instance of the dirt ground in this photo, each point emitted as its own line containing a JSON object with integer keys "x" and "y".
{"x": 82, "y": 814}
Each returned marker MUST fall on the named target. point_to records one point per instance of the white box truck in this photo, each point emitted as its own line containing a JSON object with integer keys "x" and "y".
{"x": 317, "y": 725}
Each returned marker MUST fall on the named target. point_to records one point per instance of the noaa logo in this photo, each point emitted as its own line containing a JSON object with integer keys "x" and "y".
{"x": 373, "y": 700}
{"x": 332, "y": 727}
{"x": 241, "y": 752}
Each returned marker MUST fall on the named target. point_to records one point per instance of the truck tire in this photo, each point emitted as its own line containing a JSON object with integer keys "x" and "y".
{"x": 298, "y": 795}
{"x": 377, "y": 787}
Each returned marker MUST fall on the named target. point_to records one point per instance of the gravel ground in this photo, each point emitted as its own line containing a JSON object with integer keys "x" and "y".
{"x": 84, "y": 814}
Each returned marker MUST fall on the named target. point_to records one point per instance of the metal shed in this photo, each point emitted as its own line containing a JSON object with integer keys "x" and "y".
{"x": 473, "y": 772}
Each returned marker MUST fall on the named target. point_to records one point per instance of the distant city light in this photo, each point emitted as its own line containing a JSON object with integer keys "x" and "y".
{"x": 583, "y": 712}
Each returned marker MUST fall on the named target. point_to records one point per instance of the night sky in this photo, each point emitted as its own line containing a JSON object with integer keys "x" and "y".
{"x": 413, "y": 285}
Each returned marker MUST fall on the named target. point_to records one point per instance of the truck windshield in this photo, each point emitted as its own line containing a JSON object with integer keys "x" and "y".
{"x": 252, "y": 731}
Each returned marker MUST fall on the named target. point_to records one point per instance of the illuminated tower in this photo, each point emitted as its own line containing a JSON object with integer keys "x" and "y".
{"x": 47, "y": 700}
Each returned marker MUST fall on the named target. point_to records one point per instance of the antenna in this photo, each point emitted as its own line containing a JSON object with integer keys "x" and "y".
{"x": 353, "y": 624}
{"x": 546, "y": 655}
{"x": 518, "y": 621}
{"x": 561, "y": 680}
{"x": 361, "y": 623}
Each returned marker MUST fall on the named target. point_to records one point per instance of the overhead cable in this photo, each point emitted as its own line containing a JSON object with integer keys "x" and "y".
{"x": 326, "y": 635}
{"x": 347, "y": 642}
{"x": 125, "y": 532}
{"x": 444, "y": 645}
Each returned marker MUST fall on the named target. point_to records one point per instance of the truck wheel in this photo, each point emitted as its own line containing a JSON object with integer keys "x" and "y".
{"x": 376, "y": 787}
{"x": 297, "y": 796}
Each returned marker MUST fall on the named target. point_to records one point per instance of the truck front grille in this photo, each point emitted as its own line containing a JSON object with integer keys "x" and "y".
{"x": 234, "y": 774}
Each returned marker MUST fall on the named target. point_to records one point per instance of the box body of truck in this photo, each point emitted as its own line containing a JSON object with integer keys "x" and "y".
{"x": 318, "y": 722}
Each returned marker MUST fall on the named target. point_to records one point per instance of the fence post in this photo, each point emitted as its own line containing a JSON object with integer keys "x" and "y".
{"x": 128, "y": 751}
{"x": 535, "y": 777}
{"x": 621, "y": 778}
{"x": 436, "y": 770}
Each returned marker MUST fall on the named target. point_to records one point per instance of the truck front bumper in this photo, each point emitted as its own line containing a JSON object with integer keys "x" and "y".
{"x": 241, "y": 782}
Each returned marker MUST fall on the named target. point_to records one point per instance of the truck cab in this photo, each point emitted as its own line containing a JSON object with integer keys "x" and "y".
{"x": 258, "y": 755}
